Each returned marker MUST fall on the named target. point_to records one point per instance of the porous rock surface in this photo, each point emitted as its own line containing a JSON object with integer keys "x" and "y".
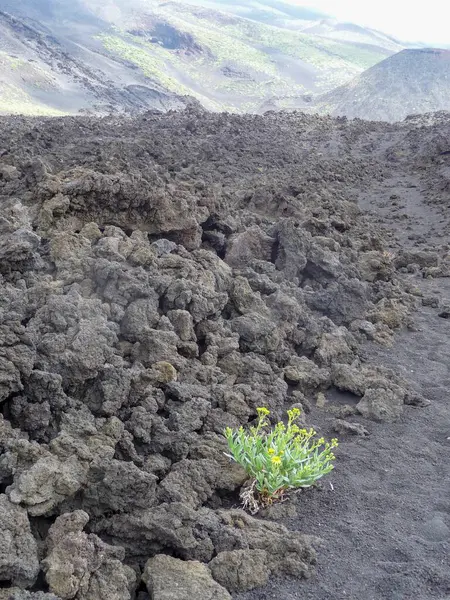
{"x": 21, "y": 594}
{"x": 81, "y": 566}
{"x": 169, "y": 578}
{"x": 161, "y": 278}
{"x": 19, "y": 561}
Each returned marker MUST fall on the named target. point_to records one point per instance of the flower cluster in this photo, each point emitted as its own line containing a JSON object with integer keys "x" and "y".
{"x": 282, "y": 458}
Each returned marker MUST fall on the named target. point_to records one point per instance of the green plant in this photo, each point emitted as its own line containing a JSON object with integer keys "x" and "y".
{"x": 279, "y": 459}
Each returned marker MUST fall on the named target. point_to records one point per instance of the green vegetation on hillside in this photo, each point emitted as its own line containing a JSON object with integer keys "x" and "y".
{"x": 226, "y": 61}
{"x": 15, "y": 101}
{"x": 154, "y": 62}
{"x": 264, "y": 58}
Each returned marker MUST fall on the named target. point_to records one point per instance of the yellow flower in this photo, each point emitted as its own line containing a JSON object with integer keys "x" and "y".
{"x": 271, "y": 451}
{"x": 276, "y": 460}
{"x": 263, "y": 412}
{"x": 293, "y": 413}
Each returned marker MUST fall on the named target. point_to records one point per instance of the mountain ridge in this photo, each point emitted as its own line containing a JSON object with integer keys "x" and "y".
{"x": 115, "y": 56}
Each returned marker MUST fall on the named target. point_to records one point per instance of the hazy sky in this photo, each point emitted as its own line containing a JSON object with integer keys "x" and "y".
{"x": 408, "y": 20}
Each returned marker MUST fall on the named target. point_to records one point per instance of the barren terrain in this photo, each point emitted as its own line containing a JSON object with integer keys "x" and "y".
{"x": 162, "y": 277}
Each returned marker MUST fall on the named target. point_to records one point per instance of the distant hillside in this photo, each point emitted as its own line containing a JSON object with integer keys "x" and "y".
{"x": 45, "y": 72}
{"x": 60, "y": 56}
{"x": 410, "y": 82}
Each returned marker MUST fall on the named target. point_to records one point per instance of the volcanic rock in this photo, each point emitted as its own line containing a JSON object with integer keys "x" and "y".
{"x": 170, "y": 578}
{"x": 129, "y": 339}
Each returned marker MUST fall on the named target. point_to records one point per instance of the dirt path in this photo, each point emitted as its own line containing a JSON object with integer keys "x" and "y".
{"x": 385, "y": 520}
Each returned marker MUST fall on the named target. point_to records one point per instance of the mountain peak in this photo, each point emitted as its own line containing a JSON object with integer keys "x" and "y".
{"x": 410, "y": 82}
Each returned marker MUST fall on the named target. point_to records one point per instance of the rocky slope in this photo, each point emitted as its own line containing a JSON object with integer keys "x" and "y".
{"x": 162, "y": 277}
{"x": 45, "y": 72}
{"x": 409, "y": 82}
{"x": 59, "y": 57}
